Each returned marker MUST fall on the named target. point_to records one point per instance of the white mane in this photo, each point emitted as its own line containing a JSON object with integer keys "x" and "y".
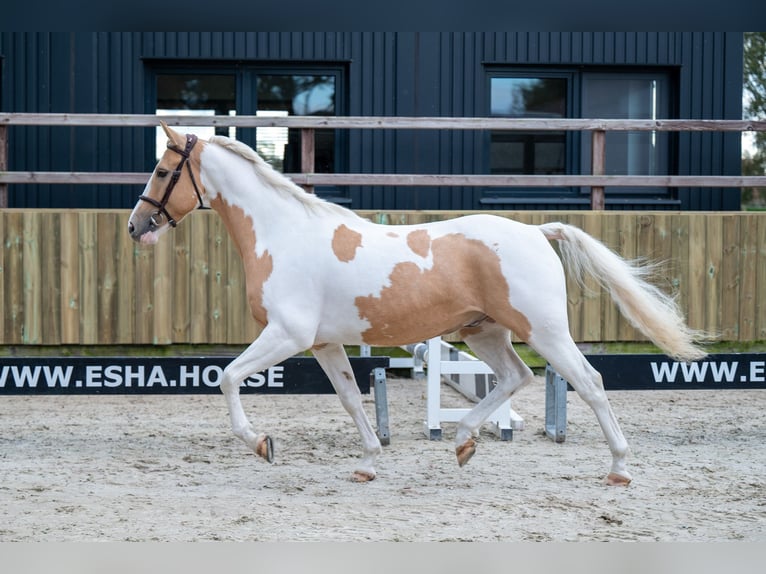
{"x": 278, "y": 181}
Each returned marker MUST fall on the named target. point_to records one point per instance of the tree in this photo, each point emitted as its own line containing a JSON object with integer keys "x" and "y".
{"x": 755, "y": 91}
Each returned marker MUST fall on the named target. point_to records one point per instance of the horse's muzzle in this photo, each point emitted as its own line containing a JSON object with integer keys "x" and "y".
{"x": 147, "y": 234}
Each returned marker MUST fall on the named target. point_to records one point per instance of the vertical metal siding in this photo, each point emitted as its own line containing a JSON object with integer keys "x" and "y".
{"x": 404, "y": 73}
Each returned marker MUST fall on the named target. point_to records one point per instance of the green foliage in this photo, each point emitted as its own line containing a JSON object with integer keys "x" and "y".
{"x": 755, "y": 91}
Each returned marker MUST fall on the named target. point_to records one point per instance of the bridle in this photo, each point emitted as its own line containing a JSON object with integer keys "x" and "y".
{"x": 191, "y": 141}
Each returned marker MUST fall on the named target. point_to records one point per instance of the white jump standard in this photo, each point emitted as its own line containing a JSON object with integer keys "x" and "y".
{"x": 319, "y": 276}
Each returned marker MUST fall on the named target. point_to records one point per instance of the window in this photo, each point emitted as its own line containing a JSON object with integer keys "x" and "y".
{"x": 528, "y": 152}
{"x": 584, "y": 94}
{"x": 295, "y": 95}
{"x": 628, "y": 97}
{"x": 252, "y": 90}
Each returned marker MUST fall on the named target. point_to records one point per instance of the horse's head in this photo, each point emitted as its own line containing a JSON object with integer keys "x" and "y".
{"x": 171, "y": 191}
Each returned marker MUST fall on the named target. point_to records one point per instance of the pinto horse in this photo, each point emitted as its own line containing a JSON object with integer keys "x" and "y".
{"x": 319, "y": 276}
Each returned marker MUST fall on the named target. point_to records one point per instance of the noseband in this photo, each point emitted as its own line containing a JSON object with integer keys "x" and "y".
{"x": 191, "y": 140}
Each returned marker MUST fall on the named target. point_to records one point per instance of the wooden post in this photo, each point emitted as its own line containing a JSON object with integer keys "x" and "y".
{"x": 307, "y": 154}
{"x": 598, "y": 167}
{"x": 3, "y": 165}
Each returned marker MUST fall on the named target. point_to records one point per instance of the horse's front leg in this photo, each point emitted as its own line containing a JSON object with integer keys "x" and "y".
{"x": 335, "y": 363}
{"x": 271, "y": 347}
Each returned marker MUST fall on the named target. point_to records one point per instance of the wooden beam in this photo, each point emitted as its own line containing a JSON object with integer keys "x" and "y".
{"x": 390, "y": 179}
{"x": 3, "y": 165}
{"x": 598, "y": 167}
{"x": 394, "y": 123}
{"x": 307, "y": 155}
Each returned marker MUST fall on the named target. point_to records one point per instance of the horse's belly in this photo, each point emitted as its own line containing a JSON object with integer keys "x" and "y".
{"x": 405, "y": 328}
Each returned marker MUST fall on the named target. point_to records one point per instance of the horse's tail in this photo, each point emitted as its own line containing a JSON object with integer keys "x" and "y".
{"x": 647, "y": 308}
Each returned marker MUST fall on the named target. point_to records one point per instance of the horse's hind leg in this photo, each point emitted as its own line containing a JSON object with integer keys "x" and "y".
{"x": 334, "y": 362}
{"x": 490, "y": 342}
{"x": 558, "y": 348}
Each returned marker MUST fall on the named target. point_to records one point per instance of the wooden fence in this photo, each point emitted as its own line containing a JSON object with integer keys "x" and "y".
{"x": 597, "y": 180}
{"x": 75, "y": 277}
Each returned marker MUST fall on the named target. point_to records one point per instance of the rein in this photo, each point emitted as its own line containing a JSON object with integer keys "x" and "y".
{"x": 191, "y": 141}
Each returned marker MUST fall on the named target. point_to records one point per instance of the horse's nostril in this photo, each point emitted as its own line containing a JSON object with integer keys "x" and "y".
{"x": 131, "y": 227}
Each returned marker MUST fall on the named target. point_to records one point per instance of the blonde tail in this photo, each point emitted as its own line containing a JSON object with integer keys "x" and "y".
{"x": 647, "y": 308}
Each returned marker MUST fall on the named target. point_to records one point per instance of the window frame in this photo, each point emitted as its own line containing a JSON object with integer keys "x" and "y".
{"x": 666, "y": 106}
{"x": 246, "y": 77}
{"x": 517, "y": 194}
{"x": 577, "y": 142}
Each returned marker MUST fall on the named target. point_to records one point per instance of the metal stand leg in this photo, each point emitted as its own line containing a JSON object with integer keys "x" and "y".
{"x": 381, "y": 405}
{"x": 555, "y": 405}
{"x": 433, "y": 392}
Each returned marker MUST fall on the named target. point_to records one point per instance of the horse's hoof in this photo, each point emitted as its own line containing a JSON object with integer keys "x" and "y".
{"x": 614, "y": 479}
{"x": 465, "y": 451}
{"x": 264, "y": 448}
{"x": 362, "y": 476}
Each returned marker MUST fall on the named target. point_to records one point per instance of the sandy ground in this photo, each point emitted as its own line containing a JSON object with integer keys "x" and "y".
{"x": 167, "y": 468}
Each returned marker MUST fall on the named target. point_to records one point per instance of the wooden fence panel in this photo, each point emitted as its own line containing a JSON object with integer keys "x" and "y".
{"x": 182, "y": 267}
{"x": 713, "y": 274}
{"x": 760, "y": 281}
{"x": 126, "y": 255}
{"x": 70, "y": 280}
{"x": 695, "y": 311}
{"x": 199, "y": 278}
{"x": 76, "y": 278}
{"x": 14, "y": 269}
{"x": 748, "y": 231}
{"x": 106, "y": 271}
{"x": 730, "y": 270}
{"x": 50, "y": 253}
{"x": 32, "y": 279}
{"x": 144, "y": 292}
{"x": 218, "y": 271}
{"x": 89, "y": 278}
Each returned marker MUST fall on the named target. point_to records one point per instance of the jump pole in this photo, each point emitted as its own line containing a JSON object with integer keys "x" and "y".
{"x": 469, "y": 376}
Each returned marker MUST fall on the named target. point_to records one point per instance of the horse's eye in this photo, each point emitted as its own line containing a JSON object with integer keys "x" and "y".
{"x": 162, "y": 173}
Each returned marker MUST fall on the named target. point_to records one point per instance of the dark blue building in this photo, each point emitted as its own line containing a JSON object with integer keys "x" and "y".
{"x": 633, "y": 75}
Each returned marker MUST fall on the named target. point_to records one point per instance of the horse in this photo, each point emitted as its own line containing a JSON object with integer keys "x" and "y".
{"x": 319, "y": 277}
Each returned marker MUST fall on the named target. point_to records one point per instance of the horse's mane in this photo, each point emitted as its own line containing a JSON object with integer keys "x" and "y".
{"x": 278, "y": 181}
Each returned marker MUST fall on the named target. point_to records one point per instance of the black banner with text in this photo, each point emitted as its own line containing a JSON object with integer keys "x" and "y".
{"x": 166, "y": 375}
{"x": 656, "y": 372}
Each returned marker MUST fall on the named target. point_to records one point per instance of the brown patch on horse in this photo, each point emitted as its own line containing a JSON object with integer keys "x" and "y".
{"x": 420, "y": 242}
{"x": 345, "y": 242}
{"x": 464, "y": 284}
{"x": 392, "y": 234}
{"x": 257, "y": 269}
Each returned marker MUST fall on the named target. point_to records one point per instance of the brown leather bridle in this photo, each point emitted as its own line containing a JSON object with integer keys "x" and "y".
{"x": 191, "y": 141}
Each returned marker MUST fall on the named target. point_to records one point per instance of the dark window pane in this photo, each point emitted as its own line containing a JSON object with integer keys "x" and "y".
{"x": 215, "y": 92}
{"x": 528, "y": 152}
{"x": 529, "y": 97}
{"x": 295, "y": 95}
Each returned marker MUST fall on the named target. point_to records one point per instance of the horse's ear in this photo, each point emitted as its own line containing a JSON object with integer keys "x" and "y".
{"x": 173, "y": 135}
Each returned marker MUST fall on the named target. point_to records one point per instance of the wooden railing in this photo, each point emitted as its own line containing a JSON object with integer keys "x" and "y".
{"x": 597, "y": 180}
